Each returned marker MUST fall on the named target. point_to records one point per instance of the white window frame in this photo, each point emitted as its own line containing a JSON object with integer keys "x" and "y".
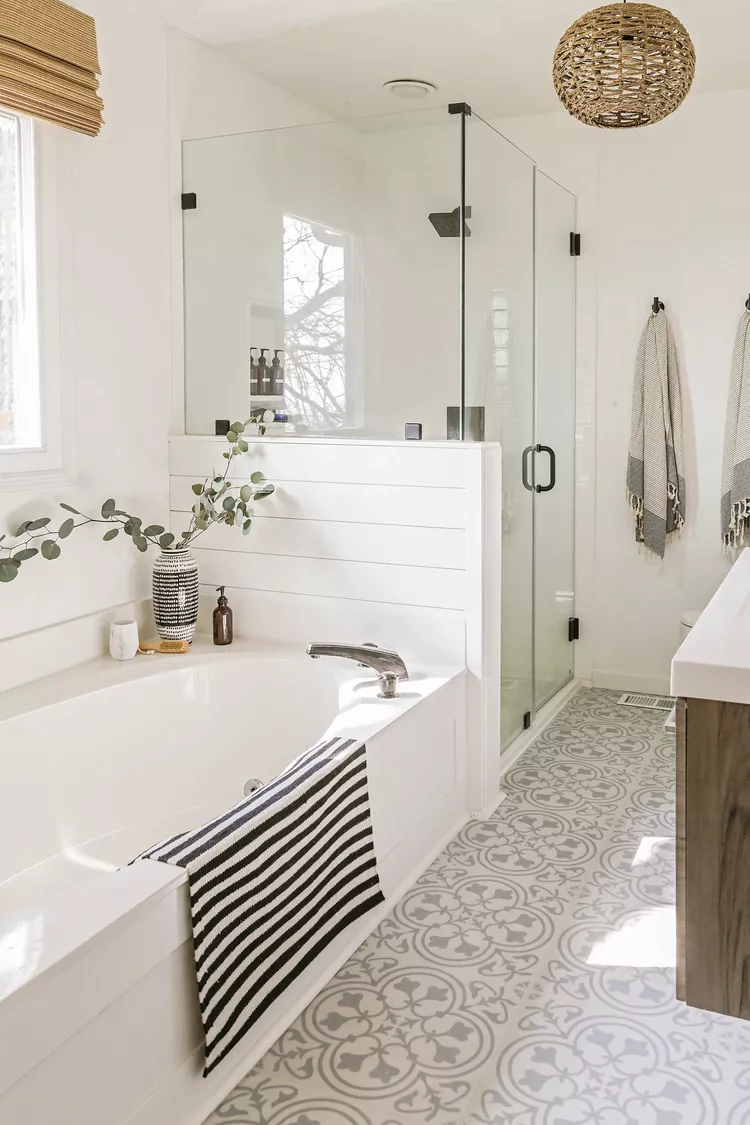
{"x": 45, "y": 462}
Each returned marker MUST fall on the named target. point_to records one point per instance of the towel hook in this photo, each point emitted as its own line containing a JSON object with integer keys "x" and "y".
{"x": 747, "y": 304}
{"x": 658, "y": 305}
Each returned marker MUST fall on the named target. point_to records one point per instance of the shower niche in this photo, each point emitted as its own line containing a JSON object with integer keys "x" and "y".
{"x": 412, "y": 268}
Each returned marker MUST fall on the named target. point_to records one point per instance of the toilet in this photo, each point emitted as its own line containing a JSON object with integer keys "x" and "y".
{"x": 687, "y": 621}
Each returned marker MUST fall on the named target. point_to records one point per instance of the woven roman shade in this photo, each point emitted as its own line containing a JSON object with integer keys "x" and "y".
{"x": 49, "y": 64}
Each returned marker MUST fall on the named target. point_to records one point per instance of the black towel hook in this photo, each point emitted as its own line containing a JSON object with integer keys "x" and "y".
{"x": 658, "y": 305}
{"x": 747, "y": 304}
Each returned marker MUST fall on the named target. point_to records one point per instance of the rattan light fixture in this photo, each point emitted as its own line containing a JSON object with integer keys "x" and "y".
{"x": 624, "y": 65}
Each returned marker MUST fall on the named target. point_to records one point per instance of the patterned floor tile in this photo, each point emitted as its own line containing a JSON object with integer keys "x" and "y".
{"x": 527, "y": 978}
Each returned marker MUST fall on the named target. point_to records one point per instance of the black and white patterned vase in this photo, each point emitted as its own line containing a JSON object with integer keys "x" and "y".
{"x": 176, "y": 595}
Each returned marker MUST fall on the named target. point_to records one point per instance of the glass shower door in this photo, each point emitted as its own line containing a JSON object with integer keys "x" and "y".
{"x": 554, "y": 455}
{"x": 499, "y": 381}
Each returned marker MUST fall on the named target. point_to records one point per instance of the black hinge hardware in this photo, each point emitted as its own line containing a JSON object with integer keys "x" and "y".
{"x": 575, "y": 245}
{"x": 574, "y": 629}
{"x": 527, "y": 720}
{"x": 189, "y": 201}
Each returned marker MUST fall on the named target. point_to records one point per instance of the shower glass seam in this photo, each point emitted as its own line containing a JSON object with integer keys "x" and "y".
{"x": 462, "y": 279}
{"x": 534, "y": 434}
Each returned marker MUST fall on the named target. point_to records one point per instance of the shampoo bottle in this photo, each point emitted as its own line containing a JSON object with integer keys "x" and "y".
{"x": 254, "y": 385}
{"x": 223, "y": 620}
{"x": 264, "y": 374}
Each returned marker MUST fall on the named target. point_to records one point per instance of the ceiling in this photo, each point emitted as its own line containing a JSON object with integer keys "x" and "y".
{"x": 494, "y": 54}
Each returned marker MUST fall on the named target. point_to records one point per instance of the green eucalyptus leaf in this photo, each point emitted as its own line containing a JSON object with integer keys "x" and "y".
{"x": 242, "y": 445}
{"x": 68, "y": 508}
{"x": 246, "y": 527}
{"x": 197, "y": 489}
{"x": 22, "y": 528}
{"x": 246, "y": 493}
{"x": 238, "y": 427}
{"x": 231, "y": 437}
{"x": 111, "y": 534}
{"x": 140, "y": 542}
{"x": 257, "y": 477}
{"x": 154, "y": 529}
{"x": 226, "y": 456}
{"x": 8, "y": 569}
{"x": 166, "y": 540}
{"x": 108, "y": 508}
{"x": 37, "y": 525}
{"x": 65, "y": 528}
{"x": 266, "y": 490}
{"x": 50, "y": 550}
{"x": 26, "y": 554}
{"x": 128, "y": 527}
{"x": 228, "y": 503}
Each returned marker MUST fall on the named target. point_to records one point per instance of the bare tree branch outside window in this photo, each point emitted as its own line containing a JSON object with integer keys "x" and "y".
{"x": 315, "y": 323}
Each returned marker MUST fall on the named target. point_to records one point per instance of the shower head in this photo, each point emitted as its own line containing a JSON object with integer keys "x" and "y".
{"x": 448, "y": 223}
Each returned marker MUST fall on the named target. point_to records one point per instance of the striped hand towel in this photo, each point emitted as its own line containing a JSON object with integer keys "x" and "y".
{"x": 272, "y": 882}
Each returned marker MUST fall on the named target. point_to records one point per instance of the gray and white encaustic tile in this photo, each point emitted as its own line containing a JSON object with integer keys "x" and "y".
{"x": 527, "y": 978}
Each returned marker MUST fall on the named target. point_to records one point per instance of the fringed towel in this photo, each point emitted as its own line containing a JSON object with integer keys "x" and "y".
{"x": 272, "y": 882}
{"x": 656, "y": 474}
{"x": 735, "y": 474}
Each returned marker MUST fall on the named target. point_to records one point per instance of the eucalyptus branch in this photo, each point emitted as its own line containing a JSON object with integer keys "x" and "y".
{"x": 217, "y": 501}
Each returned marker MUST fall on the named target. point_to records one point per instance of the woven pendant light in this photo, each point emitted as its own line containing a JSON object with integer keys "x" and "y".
{"x": 624, "y": 65}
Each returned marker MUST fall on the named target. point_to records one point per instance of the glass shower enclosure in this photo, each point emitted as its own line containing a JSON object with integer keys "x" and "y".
{"x": 345, "y": 279}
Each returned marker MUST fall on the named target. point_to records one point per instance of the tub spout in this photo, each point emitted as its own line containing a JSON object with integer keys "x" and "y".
{"x": 388, "y": 665}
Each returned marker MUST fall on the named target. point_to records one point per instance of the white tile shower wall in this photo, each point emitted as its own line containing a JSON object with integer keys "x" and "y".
{"x": 390, "y": 542}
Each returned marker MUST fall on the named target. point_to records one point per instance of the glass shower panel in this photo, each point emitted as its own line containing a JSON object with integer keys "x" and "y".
{"x": 324, "y": 244}
{"x": 554, "y": 514}
{"x": 499, "y": 379}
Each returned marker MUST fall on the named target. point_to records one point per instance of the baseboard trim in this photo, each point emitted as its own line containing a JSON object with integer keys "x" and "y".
{"x": 543, "y": 718}
{"x": 625, "y": 681}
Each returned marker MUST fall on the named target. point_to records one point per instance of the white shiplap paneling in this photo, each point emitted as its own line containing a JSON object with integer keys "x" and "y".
{"x": 435, "y": 547}
{"x": 334, "y": 578}
{"x": 402, "y": 505}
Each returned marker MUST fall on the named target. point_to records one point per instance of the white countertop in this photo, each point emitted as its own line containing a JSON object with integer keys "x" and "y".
{"x": 714, "y": 661}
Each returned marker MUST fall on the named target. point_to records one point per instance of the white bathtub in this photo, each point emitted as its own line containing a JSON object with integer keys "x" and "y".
{"x": 98, "y": 1013}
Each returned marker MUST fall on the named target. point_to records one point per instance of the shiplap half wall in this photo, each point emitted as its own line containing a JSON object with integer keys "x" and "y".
{"x": 361, "y": 540}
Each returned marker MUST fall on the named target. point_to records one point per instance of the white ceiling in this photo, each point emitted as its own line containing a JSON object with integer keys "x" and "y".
{"x": 494, "y": 54}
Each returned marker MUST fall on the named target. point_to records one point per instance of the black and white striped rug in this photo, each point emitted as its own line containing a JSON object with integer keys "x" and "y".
{"x": 273, "y": 881}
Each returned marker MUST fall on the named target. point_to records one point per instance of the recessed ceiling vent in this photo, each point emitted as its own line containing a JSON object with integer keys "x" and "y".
{"x": 411, "y": 89}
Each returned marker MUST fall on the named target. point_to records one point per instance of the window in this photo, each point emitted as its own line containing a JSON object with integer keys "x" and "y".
{"x": 319, "y": 314}
{"x": 20, "y": 400}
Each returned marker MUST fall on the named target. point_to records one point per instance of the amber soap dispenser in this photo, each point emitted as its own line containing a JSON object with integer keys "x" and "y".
{"x": 223, "y": 620}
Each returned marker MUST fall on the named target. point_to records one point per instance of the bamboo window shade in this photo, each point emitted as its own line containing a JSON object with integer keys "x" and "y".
{"x": 49, "y": 64}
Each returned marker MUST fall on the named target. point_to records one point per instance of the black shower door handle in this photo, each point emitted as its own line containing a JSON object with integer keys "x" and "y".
{"x": 525, "y": 468}
{"x": 552, "y": 468}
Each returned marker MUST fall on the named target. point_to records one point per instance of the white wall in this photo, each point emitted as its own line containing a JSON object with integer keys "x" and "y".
{"x": 112, "y": 294}
{"x": 662, "y": 211}
{"x": 111, "y": 282}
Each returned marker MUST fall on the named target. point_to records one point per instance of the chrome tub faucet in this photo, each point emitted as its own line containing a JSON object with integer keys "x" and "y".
{"x": 389, "y": 666}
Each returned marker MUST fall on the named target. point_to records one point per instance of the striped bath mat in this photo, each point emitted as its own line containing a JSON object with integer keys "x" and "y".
{"x": 272, "y": 882}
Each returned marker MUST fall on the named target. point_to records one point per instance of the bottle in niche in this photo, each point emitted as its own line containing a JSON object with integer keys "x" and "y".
{"x": 223, "y": 620}
{"x": 254, "y": 387}
{"x": 277, "y": 374}
{"x": 264, "y": 374}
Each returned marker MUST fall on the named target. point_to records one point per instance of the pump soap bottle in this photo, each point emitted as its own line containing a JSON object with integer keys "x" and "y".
{"x": 277, "y": 374}
{"x": 223, "y": 620}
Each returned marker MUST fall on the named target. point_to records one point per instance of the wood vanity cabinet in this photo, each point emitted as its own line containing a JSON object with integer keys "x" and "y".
{"x": 713, "y": 855}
